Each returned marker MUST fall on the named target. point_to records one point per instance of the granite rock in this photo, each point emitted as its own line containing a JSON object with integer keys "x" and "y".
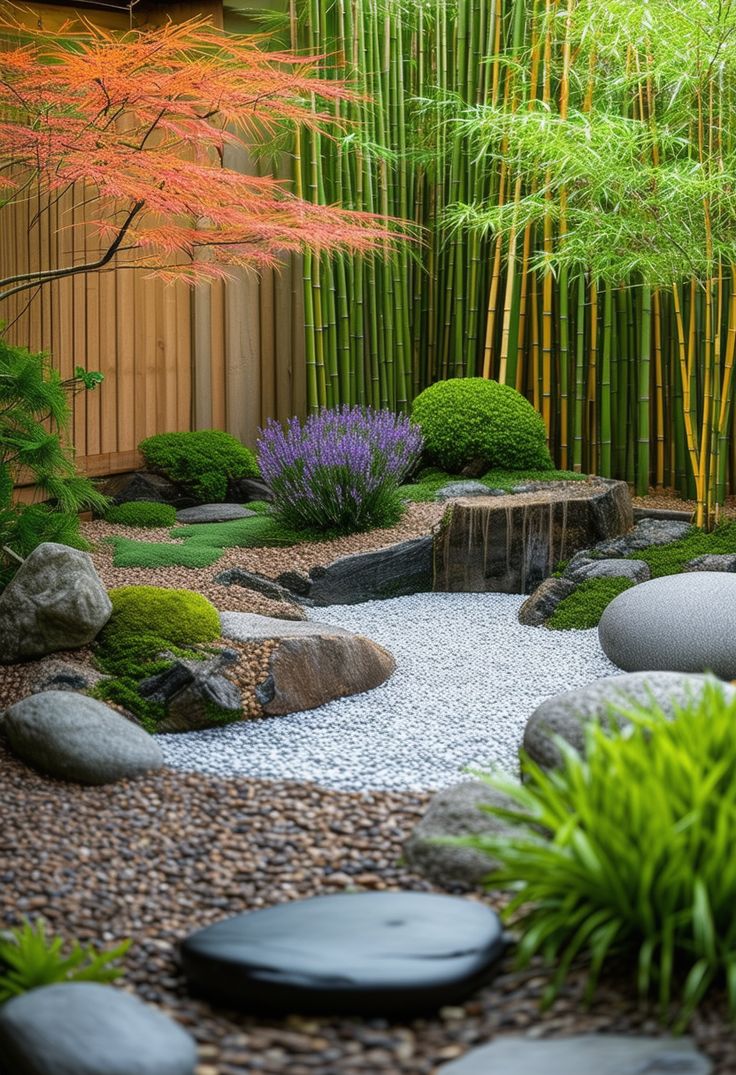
{"x": 636, "y": 570}
{"x": 678, "y": 623}
{"x": 212, "y": 513}
{"x": 76, "y": 738}
{"x": 566, "y": 715}
{"x": 456, "y": 811}
{"x": 55, "y": 601}
{"x": 540, "y": 605}
{"x": 712, "y": 562}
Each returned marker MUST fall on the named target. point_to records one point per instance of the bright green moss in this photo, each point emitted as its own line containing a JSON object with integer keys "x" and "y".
{"x": 467, "y": 418}
{"x": 584, "y": 607}
{"x": 204, "y": 543}
{"x": 201, "y": 462}
{"x": 671, "y": 559}
{"x": 261, "y": 506}
{"x": 145, "y": 513}
{"x": 179, "y": 616}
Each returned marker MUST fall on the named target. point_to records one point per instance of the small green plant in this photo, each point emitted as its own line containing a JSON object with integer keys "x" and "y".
{"x": 34, "y": 416}
{"x": 626, "y": 854}
{"x": 143, "y": 513}
{"x": 180, "y": 616}
{"x": 202, "y": 462}
{"x": 584, "y": 607}
{"x": 469, "y": 418}
{"x": 30, "y": 958}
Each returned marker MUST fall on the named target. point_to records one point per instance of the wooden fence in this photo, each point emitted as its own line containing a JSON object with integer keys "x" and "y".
{"x": 226, "y": 356}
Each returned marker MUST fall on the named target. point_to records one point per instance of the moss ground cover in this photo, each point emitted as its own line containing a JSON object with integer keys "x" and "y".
{"x": 584, "y": 608}
{"x": 203, "y": 544}
{"x": 433, "y": 478}
{"x": 145, "y": 513}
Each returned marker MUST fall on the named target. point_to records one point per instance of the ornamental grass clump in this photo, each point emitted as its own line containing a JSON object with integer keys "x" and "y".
{"x": 340, "y": 470}
{"x": 625, "y": 855}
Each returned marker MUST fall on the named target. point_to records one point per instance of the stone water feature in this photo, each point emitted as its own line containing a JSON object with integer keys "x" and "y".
{"x": 509, "y": 544}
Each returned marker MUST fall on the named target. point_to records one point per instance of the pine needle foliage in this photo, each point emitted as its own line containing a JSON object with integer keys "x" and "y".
{"x": 624, "y": 856}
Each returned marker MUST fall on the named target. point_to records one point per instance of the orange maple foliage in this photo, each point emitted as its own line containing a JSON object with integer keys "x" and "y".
{"x": 141, "y": 120}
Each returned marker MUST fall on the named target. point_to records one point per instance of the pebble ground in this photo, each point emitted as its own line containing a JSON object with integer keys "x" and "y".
{"x": 156, "y": 858}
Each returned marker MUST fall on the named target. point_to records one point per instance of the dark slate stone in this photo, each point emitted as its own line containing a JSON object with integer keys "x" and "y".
{"x": 386, "y": 953}
{"x": 398, "y": 570}
{"x": 81, "y": 1028}
{"x": 213, "y": 513}
{"x": 582, "y": 1054}
{"x": 296, "y": 582}
{"x": 241, "y": 490}
{"x": 143, "y": 485}
{"x": 250, "y": 580}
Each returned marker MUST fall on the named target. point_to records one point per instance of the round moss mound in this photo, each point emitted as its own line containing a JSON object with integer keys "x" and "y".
{"x": 143, "y": 513}
{"x": 469, "y": 418}
{"x": 201, "y": 462}
{"x": 181, "y": 617}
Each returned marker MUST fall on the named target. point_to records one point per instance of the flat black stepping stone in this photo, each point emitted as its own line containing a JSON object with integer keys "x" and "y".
{"x": 387, "y": 953}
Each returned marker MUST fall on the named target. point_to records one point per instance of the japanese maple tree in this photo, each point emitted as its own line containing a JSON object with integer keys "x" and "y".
{"x": 141, "y": 120}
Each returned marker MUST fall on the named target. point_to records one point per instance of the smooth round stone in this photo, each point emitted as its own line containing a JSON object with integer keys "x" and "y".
{"x": 679, "y": 623}
{"x": 213, "y": 513}
{"x": 381, "y": 953}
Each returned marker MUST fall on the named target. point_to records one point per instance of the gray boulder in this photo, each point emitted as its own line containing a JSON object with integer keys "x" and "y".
{"x": 81, "y": 1028}
{"x": 636, "y": 570}
{"x": 453, "y": 490}
{"x": 456, "y": 811}
{"x": 581, "y": 1054}
{"x": 646, "y": 533}
{"x": 712, "y": 562}
{"x": 566, "y": 715}
{"x": 213, "y": 513}
{"x": 73, "y": 737}
{"x": 540, "y": 605}
{"x": 56, "y": 601}
{"x": 679, "y": 623}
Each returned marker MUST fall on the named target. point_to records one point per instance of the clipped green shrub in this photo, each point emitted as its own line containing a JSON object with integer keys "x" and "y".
{"x": 30, "y": 958}
{"x": 627, "y": 856}
{"x": 585, "y": 605}
{"x": 468, "y": 418}
{"x": 144, "y": 513}
{"x": 181, "y": 617}
{"x": 201, "y": 462}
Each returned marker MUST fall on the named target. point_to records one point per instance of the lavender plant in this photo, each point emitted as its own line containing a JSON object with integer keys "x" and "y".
{"x": 340, "y": 470}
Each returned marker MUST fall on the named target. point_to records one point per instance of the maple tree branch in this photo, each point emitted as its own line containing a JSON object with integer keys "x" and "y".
{"x": 25, "y": 281}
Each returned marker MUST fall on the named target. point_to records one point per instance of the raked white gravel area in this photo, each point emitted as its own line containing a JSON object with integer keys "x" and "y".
{"x": 468, "y": 677}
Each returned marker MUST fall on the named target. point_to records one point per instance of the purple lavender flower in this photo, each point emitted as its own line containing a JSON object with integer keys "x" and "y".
{"x": 341, "y": 469}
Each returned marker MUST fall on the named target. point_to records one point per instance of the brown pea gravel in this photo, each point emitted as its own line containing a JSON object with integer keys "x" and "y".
{"x": 156, "y": 858}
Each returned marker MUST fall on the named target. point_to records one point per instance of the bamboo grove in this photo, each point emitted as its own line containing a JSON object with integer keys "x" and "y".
{"x": 571, "y": 170}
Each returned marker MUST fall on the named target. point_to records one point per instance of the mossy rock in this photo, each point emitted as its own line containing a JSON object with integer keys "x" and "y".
{"x": 181, "y": 617}
{"x": 201, "y": 462}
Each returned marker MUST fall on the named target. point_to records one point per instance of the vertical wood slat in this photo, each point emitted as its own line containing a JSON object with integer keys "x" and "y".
{"x": 174, "y": 358}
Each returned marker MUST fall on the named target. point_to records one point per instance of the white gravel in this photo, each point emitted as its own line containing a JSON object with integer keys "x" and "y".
{"x": 468, "y": 677}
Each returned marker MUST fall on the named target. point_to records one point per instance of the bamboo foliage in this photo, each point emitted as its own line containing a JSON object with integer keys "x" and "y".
{"x": 572, "y": 165}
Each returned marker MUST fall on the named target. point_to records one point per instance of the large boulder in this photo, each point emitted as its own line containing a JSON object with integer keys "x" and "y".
{"x": 678, "y": 623}
{"x": 81, "y": 1028}
{"x": 73, "y": 737}
{"x": 510, "y": 544}
{"x": 457, "y": 811}
{"x": 566, "y": 715}
{"x": 310, "y": 663}
{"x": 56, "y": 601}
{"x": 364, "y": 953}
{"x": 395, "y": 571}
